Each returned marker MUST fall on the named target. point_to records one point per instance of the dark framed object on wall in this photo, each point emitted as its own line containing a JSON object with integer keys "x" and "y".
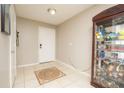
{"x": 5, "y": 18}
{"x": 108, "y": 48}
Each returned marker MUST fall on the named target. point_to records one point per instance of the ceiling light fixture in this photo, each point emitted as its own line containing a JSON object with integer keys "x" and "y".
{"x": 52, "y": 11}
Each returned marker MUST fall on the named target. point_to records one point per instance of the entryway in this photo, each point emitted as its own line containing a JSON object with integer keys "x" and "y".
{"x": 73, "y": 79}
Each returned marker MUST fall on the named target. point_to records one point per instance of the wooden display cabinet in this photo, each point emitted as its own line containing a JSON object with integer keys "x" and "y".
{"x": 108, "y": 48}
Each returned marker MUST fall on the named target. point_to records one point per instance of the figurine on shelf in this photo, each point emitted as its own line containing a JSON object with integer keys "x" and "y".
{"x": 120, "y": 70}
{"x": 101, "y": 46}
{"x": 108, "y": 38}
{"x": 100, "y": 33}
{"x": 102, "y": 54}
{"x": 108, "y": 47}
{"x": 113, "y": 35}
{"x": 114, "y": 55}
{"x": 102, "y": 30}
{"x": 107, "y": 61}
{"x": 111, "y": 68}
{"x": 97, "y": 35}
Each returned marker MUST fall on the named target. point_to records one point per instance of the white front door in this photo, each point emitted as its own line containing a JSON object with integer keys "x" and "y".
{"x": 46, "y": 44}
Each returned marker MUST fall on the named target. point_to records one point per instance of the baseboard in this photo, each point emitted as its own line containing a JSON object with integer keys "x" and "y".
{"x": 26, "y": 65}
{"x": 71, "y": 67}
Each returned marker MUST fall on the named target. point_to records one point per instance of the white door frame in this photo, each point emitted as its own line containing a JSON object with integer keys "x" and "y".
{"x": 12, "y": 64}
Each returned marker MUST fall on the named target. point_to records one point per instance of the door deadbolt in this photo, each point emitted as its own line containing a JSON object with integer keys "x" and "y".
{"x": 40, "y": 45}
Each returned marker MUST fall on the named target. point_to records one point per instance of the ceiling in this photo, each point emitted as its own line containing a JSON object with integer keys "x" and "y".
{"x": 39, "y": 12}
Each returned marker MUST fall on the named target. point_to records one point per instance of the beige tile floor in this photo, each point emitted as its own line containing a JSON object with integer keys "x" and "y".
{"x": 73, "y": 79}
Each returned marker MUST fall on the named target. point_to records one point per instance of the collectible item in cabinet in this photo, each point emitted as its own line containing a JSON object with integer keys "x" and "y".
{"x": 108, "y": 48}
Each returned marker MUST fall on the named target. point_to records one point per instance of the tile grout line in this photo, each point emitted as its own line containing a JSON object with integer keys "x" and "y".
{"x": 24, "y": 77}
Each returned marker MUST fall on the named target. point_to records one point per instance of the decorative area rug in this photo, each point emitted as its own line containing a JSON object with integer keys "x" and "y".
{"x": 48, "y": 74}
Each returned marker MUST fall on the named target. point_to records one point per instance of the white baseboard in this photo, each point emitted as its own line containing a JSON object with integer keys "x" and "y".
{"x": 63, "y": 63}
{"x": 71, "y": 67}
{"x": 26, "y": 65}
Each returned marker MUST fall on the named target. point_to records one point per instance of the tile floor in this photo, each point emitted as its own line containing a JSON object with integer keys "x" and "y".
{"x": 73, "y": 79}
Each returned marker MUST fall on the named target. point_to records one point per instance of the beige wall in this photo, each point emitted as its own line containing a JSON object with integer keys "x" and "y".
{"x": 5, "y": 56}
{"x": 27, "y": 51}
{"x": 4, "y": 59}
{"x": 74, "y": 39}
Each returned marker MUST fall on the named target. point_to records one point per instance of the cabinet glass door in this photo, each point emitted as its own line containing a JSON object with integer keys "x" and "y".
{"x": 109, "y": 52}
